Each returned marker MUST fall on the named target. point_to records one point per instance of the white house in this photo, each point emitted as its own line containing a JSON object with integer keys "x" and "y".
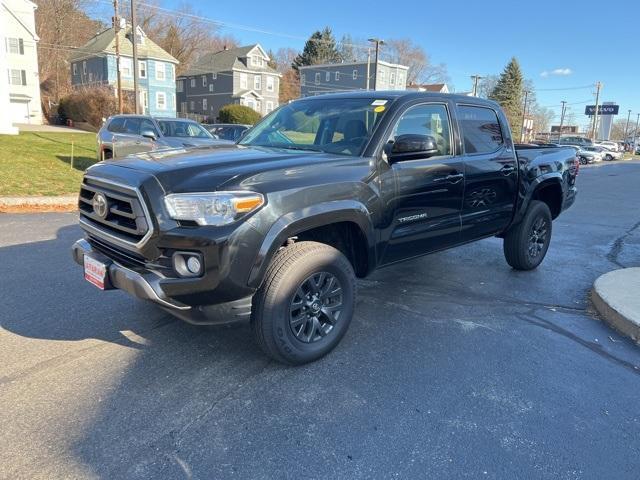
{"x": 20, "y": 61}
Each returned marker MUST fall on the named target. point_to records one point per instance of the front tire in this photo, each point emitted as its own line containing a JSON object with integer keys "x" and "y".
{"x": 526, "y": 245}
{"x": 305, "y": 304}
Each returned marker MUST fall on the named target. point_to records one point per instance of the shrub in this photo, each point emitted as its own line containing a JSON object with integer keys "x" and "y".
{"x": 234, "y": 113}
{"x": 91, "y": 105}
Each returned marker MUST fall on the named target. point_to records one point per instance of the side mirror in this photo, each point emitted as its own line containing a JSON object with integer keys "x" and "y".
{"x": 412, "y": 146}
{"x": 148, "y": 134}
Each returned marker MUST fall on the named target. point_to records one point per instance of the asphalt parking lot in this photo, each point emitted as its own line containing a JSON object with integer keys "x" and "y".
{"x": 455, "y": 366}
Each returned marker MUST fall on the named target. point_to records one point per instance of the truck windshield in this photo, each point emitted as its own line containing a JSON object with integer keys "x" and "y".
{"x": 342, "y": 126}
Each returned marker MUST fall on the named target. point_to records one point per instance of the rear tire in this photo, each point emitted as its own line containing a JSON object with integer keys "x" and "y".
{"x": 526, "y": 245}
{"x": 305, "y": 304}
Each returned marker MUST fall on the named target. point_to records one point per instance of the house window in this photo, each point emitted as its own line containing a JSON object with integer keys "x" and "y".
{"x": 142, "y": 69}
{"x": 161, "y": 100}
{"x": 258, "y": 106}
{"x": 204, "y": 104}
{"x": 257, "y": 61}
{"x": 171, "y": 72}
{"x": 337, "y": 76}
{"x": 257, "y": 82}
{"x": 400, "y": 79}
{"x": 327, "y": 77}
{"x": 211, "y": 87}
{"x": 161, "y": 73}
{"x": 383, "y": 75}
{"x": 15, "y": 45}
{"x": 74, "y": 66}
{"x": 192, "y": 105}
{"x": 317, "y": 78}
{"x": 204, "y": 80}
{"x": 392, "y": 78}
{"x": 84, "y": 67}
{"x": 17, "y": 77}
{"x": 355, "y": 74}
{"x": 243, "y": 81}
{"x": 180, "y": 86}
{"x": 145, "y": 100}
{"x": 183, "y": 107}
{"x": 91, "y": 76}
{"x": 270, "y": 84}
{"x": 269, "y": 107}
{"x": 125, "y": 67}
{"x": 193, "y": 83}
{"x": 303, "y": 78}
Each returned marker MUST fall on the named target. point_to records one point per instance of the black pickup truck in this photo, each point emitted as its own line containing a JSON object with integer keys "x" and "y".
{"x": 276, "y": 228}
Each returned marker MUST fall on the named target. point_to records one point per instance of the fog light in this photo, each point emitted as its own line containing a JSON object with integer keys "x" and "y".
{"x": 194, "y": 265}
{"x": 187, "y": 264}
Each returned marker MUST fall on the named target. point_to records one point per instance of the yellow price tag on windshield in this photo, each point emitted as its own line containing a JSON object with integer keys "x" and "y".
{"x": 379, "y": 108}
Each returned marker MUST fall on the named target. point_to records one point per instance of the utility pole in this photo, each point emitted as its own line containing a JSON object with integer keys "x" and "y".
{"x": 134, "y": 34}
{"x": 116, "y": 28}
{"x": 626, "y": 127}
{"x": 564, "y": 109}
{"x": 524, "y": 113}
{"x": 475, "y": 79}
{"x": 595, "y": 114}
{"x": 635, "y": 135}
{"x": 378, "y": 42}
{"x": 368, "y": 67}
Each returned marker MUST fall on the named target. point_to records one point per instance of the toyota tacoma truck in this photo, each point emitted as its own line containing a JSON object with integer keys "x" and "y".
{"x": 276, "y": 228}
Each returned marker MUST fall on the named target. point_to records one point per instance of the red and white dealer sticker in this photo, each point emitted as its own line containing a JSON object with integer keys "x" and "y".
{"x": 94, "y": 272}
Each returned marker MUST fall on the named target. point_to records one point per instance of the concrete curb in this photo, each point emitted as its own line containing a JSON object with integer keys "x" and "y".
{"x": 615, "y": 296}
{"x": 67, "y": 203}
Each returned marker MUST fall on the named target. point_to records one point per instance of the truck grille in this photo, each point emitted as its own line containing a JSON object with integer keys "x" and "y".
{"x": 113, "y": 212}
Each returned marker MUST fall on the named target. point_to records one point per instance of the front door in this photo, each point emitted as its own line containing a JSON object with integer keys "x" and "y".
{"x": 428, "y": 188}
{"x": 491, "y": 173}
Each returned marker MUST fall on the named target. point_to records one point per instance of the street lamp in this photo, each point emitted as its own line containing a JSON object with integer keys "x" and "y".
{"x": 378, "y": 42}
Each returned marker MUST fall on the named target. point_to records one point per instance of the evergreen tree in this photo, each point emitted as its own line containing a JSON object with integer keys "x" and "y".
{"x": 509, "y": 93}
{"x": 320, "y": 48}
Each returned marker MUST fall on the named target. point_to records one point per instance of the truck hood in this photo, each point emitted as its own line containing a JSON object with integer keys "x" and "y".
{"x": 209, "y": 168}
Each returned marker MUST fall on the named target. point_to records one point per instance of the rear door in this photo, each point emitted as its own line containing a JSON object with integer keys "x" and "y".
{"x": 491, "y": 172}
{"x": 425, "y": 209}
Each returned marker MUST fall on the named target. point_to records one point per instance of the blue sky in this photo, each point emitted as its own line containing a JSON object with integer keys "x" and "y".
{"x": 576, "y": 43}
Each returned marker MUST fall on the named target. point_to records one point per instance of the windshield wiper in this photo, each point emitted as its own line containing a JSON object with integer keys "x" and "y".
{"x": 290, "y": 147}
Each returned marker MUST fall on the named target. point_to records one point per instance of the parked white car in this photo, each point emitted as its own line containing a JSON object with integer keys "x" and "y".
{"x": 612, "y": 146}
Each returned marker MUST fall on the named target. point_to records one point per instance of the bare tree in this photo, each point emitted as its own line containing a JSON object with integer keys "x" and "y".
{"x": 421, "y": 70}
{"x": 183, "y": 34}
{"x": 486, "y": 85}
{"x": 60, "y": 24}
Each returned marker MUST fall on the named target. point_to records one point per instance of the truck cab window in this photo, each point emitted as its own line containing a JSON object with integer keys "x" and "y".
{"x": 480, "y": 129}
{"x": 429, "y": 120}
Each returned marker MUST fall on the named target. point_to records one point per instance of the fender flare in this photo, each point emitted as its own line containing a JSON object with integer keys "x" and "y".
{"x": 548, "y": 178}
{"x": 307, "y": 218}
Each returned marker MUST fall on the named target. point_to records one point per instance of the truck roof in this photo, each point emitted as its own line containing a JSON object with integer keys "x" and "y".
{"x": 404, "y": 95}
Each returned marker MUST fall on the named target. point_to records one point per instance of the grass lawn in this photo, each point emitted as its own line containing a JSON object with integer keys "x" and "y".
{"x": 38, "y": 163}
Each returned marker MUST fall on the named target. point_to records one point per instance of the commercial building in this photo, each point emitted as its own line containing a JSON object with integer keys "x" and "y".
{"x": 344, "y": 77}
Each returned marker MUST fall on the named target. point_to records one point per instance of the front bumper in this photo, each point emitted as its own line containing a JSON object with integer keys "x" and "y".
{"x": 147, "y": 286}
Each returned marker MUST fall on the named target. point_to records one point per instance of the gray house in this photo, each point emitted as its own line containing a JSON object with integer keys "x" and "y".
{"x": 341, "y": 77}
{"x": 239, "y": 75}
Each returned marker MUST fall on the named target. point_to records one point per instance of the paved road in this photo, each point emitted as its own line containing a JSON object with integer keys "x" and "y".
{"x": 454, "y": 367}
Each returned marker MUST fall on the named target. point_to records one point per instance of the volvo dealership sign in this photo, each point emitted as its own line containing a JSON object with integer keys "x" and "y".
{"x": 602, "y": 109}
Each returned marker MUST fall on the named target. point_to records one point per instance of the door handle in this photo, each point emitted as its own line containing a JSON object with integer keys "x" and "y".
{"x": 508, "y": 169}
{"x": 453, "y": 178}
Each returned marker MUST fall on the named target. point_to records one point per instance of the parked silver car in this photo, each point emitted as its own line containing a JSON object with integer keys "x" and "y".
{"x": 123, "y": 135}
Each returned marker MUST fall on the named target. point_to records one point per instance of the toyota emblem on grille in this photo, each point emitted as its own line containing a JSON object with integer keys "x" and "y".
{"x": 100, "y": 205}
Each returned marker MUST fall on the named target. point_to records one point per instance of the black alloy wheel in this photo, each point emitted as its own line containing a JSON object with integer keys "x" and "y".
{"x": 316, "y": 307}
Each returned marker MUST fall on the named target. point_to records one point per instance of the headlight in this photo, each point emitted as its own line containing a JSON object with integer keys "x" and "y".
{"x": 216, "y": 208}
